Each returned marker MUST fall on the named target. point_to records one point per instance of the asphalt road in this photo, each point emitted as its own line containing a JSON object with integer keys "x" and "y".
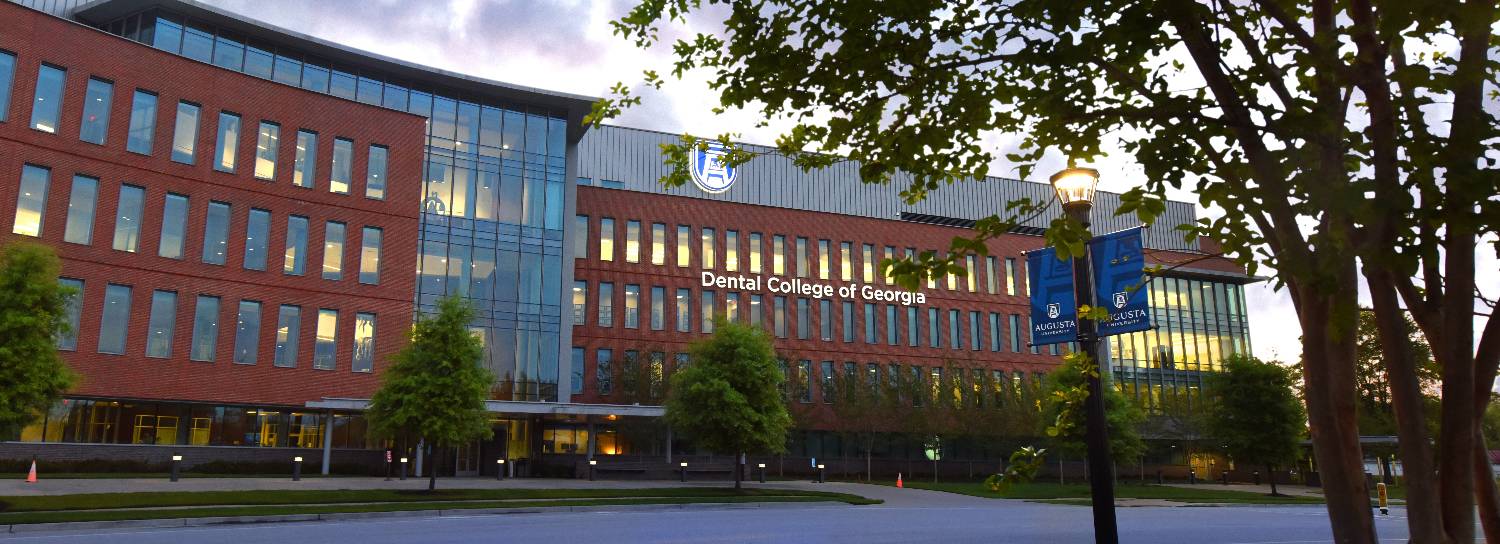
{"x": 989, "y": 521}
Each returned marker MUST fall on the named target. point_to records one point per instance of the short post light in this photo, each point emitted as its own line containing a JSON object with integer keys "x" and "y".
{"x": 403, "y": 468}
{"x": 297, "y": 468}
{"x": 1075, "y": 190}
{"x": 683, "y": 470}
{"x": 592, "y": 463}
{"x": 762, "y": 467}
{"x": 176, "y": 466}
{"x": 820, "y": 474}
{"x": 500, "y": 469}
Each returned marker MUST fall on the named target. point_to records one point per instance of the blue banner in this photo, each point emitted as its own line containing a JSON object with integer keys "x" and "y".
{"x": 1054, "y": 312}
{"x": 1120, "y": 282}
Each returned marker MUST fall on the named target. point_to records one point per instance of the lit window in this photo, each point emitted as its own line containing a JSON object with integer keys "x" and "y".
{"x": 606, "y": 239}
{"x": 161, "y": 324}
{"x": 185, "y": 133}
{"x": 989, "y": 275}
{"x": 173, "y": 226}
{"x": 327, "y": 337}
{"x": 31, "y": 200}
{"x": 846, "y": 261}
{"x": 606, "y": 304}
{"x": 128, "y": 218}
{"x": 267, "y": 144}
{"x": 288, "y": 327}
{"x": 632, "y": 241}
{"x": 867, "y": 256}
{"x": 632, "y": 306}
{"x": 375, "y": 179}
{"x": 801, "y": 257}
{"x": 755, "y": 243}
{"x": 205, "y": 328}
{"x": 580, "y": 301}
{"x": 778, "y": 254}
{"x": 364, "y": 343}
{"x": 731, "y": 250}
{"x": 1010, "y": 275}
{"x": 823, "y": 248}
{"x": 142, "y": 123}
{"x": 305, "y": 162}
{"x": 658, "y": 244}
{"x": 684, "y": 310}
{"x": 684, "y": 254}
{"x": 708, "y": 248}
{"x": 343, "y": 163}
{"x": 81, "y": 202}
{"x": 369, "y": 256}
{"x": 227, "y": 145}
{"x": 247, "y": 332}
{"x": 46, "y": 106}
{"x": 333, "y": 251}
{"x": 95, "y": 123}
{"x": 970, "y": 275}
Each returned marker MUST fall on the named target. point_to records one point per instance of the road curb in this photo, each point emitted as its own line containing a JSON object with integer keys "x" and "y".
{"x": 348, "y": 516}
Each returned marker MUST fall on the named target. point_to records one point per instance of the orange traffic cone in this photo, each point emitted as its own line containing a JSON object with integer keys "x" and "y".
{"x": 898, "y": 479}
{"x": 31, "y": 476}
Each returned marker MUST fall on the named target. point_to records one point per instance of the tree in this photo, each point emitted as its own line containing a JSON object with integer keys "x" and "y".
{"x": 1376, "y": 410}
{"x": 1063, "y": 418}
{"x": 436, "y": 388}
{"x": 1254, "y": 412}
{"x": 1336, "y": 140}
{"x": 729, "y": 399}
{"x": 33, "y": 312}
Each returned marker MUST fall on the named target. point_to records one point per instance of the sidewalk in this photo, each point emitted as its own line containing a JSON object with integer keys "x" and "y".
{"x": 71, "y": 486}
{"x": 1293, "y": 490}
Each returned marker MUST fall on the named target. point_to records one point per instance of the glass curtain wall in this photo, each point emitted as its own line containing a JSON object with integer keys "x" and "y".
{"x": 1198, "y": 323}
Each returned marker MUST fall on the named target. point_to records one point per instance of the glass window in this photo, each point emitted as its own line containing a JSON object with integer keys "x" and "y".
{"x": 581, "y": 240}
{"x": 755, "y": 243}
{"x": 314, "y": 78}
{"x": 288, "y": 70}
{"x": 805, "y": 381}
{"x": 1015, "y": 333}
{"x": 333, "y": 251}
{"x": 801, "y": 257}
{"x": 575, "y": 372}
{"x": 580, "y": 301}
{"x": 1010, "y": 275}
{"x": 606, "y": 239}
{"x": 632, "y": 241}
{"x": 46, "y": 106}
{"x": 375, "y": 174}
{"x": 31, "y": 200}
{"x": 81, "y": 202}
{"x": 228, "y": 53}
{"x": 247, "y": 332}
{"x": 732, "y": 250}
{"x": 342, "y": 85}
{"x": 7, "y": 77}
{"x": 114, "y": 320}
{"x": 606, "y": 304}
{"x": 778, "y": 254}
{"x": 825, "y": 319}
{"x": 267, "y": 144}
{"x": 658, "y": 308}
{"x": 343, "y": 163}
{"x": 684, "y": 254}
{"x": 732, "y": 307}
{"x": 258, "y": 62}
{"x": 205, "y": 328}
{"x": 228, "y": 142}
{"x": 142, "y": 123}
{"x": 757, "y": 310}
{"x": 974, "y": 334}
{"x": 885, "y": 274}
{"x": 994, "y": 331}
{"x": 867, "y": 258}
{"x": 305, "y": 163}
{"x": 288, "y": 327}
{"x": 198, "y": 44}
{"x": 825, "y": 380}
{"x": 708, "y": 249}
{"x": 823, "y": 248}
{"x": 185, "y": 133}
{"x": 364, "y": 343}
{"x": 990, "y": 283}
{"x": 128, "y": 218}
{"x": 658, "y": 243}
{"x": 804, "y": 325}
{"x": 161, "y": 324}
{"x": 708, "y": 311}
{"x": 174, "y": 212}
{"x": 96, "y": 100}
{"x": 892, "y": 325}
{"x": 73, "y": 311}
{"x": 369, "y": 256}
{"x": 296, "y": 245}
{"x": 778, "y": 316}
{"x": 684, "y": 310}
{"x": 257, "y": 234}
{"x": 216, "y": 233}
{"x": 327, "y": 336}
{"x": 934, "y": 328}
{"x": 604, "y": 376}
{"x": 846, "y": 261}
{"x": 848, "y": 321}
{"x": 870, "y": 323}
{"x": 913, "y": 327}
{"x": 632, "y": 306}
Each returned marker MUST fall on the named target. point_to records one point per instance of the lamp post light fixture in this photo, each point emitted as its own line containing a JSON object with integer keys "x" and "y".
{"x": 683, "y": 470}
{"x": 403, "y": 468}
{"x": 499, "y": 469}
{"x": 1075, "y": 190}
{"x": 176, "y": 464}
{"x": 297, "y": 468}
{"x": 821, "y": 479}
{"x": 592, "y": 464}
{"x": 762, "y": 467}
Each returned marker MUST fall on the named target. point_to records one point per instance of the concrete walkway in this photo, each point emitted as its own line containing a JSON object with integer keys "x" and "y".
{"x": 1293, "y": 490}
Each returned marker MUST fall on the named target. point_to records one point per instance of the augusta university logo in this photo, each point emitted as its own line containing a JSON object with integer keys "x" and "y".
{"x": 709, "y": 171}
{"x": 1054, "y": 310}
{"x": 1120, "y": 300}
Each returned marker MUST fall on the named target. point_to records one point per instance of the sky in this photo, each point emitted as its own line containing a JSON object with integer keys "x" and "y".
{"x": 568, "y": 46}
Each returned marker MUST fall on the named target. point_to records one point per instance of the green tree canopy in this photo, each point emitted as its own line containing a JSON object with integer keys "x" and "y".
{"x": 436, "y": 388}
{"x": 1253, "y": 412}
{"x": 729, "y": 398}
{"x": 33, "y": 312}
{"x": 1062, "y": 415}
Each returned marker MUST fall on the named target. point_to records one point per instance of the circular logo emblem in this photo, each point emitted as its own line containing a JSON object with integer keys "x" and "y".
{"x": 709, "y": 171}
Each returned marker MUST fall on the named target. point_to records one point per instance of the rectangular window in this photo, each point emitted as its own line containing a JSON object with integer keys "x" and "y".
{"x": 7, "y": 77}
{"x": 708, "y": 311}
{"x": 216, "y": 233}
{"x": 846, "y": 261}
{"x": 805, "y": 383}
{"x": 684, "y": 254}
{"x": 1015, "y": 333}
{"x": 802, "y": 262}
{"x": 1035, "y": 349}
{"x": 606, "y": 239}
{"x": 575, "y": 371}
{"x": 606, "y": 304}
{"x": 296, "y": 245}
{"x": 658, "y": 244}
{"x": 257, "y": 236}
{"x": 632, "y": 306}
{"x": 778, "y": 316}
{"x": 375, "y": 167}
{"x": 658, "y": 308}
{"x": 288, "y": 331}
{"x": 46, "y": 105}
{"x": 885, "y": 275}
{"x": 114, "y": 320}
{"x": 755, "y": 243}
{"x": 848, "y": 321}
{"x": 870, "y": 323}
{"x": 369, "y": 255}
{"x": 227, "y": 144}
{"x": 913, "y": 327}
{"x": 975, "y": 341}
{"x": 81, "y": 202}
{"x": 994, "y": 331}
{"x": 267, "y": 145}
{"x": 333, "y": 251}
{"x": 892, "y": 326}
{"x": 732, "y": 250}
{"x": 326, "y": 342}
{"x": 684, "y": 310}
{"x": 185, "y": 133}
{"x": 142, "y": 123}
{"x": 161, "y": 324}
{"x": 581, "y": 241}
{"x": 604, "y": 376}
{"x": 804, "y": 326}
{"x": 867, "y": 259}
{"x": 708, "y": 249}
{"x": 580, "y": 301}
{"x": 73, "y": 311}
{"x": 364, "y": 343}
{"x": 632, "y": 241}
{"x": 305, "y": 162}
{"x": 732, "y": 307}
{"x": 31, "y": 200}
{"x": 970, "y": 275}
{"x": 825, "y": 319}
{"x": 96, "y": 100}
{"x": 757, "y": 310}
{"x": 205, "y": 328}
{"x": 174, "y": 227}
{"x": 128, "y": 218}
{"x": 823, "y": 248}
{"x": 247, "y": 332}
{"x": 955, "y": 330}
{"x": 934, "y": 328}
{"x": 778, "y": 254}
{"x": 343, "y": 166}
{"x": 1010, "y": 275}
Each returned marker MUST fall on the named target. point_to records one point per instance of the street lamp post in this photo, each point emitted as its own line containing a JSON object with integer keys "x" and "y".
{"x": 1075, "y": 189}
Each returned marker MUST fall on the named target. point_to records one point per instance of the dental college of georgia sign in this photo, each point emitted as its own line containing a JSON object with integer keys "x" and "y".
{"x": 801, "y": 287}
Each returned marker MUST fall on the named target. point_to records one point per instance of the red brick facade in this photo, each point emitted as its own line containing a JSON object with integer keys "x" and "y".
{"x": 36, "y": 38}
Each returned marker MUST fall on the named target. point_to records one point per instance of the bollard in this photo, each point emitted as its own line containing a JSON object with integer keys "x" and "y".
{"x": 176, "y": 461}
{"x": 1192, "y": 477}
{"x": 684, "y": 471}
{"x": 1384, "y": 505}
{"x": 403, "y": 468}
{"x": 820, "y": 475}
{"x": 1257, "y": 477}
{"x": 297, "y": 469}
{"x": 592, "y": 463}
{"x": 499, "y": 469}
{"x": 1224, "y": 477}
{"x": 1159, "y": 480}
{"x": 762, "y": 467}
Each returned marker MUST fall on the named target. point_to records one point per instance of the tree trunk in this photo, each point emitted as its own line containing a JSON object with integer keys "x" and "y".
{"x": 738, "y": 470}
{"x": 1271, "y": 473}
{"x": 1485, "y": 492}
{"x": 431, "y": 470}
{"x": 1328, "y": 319}
{"x": 1456, "y": 356}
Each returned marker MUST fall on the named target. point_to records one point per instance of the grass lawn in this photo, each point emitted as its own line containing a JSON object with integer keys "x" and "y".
{"x": 158, "y": 505}
{"x": 1046, "y": 491}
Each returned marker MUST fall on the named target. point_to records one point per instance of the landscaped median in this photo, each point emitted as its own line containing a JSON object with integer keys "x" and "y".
{"x": 18, "y": 510}
{"x": 1072, "y": 494}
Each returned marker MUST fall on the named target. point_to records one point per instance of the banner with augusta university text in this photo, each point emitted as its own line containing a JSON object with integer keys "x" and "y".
{"x": 1054, "y": 312}
{"x": 1120, "y": 283}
